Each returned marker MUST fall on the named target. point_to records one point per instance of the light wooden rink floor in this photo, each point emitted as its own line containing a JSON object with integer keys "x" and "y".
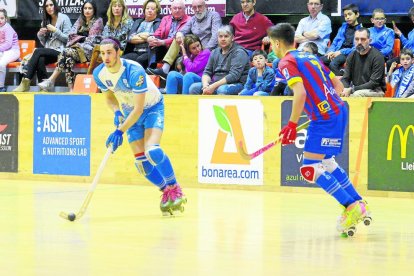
{"x": 222, "y": 232}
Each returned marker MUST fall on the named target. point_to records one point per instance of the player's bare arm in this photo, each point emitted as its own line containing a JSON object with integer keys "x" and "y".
{"x": 299, "y": 98}
{"x": 111, "y": 101}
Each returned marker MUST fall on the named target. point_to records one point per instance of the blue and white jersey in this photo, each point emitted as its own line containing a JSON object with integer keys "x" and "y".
{"x": 131, "y": 79}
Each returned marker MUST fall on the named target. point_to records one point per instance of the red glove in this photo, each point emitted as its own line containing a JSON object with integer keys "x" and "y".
{"x": 288, "y": 133}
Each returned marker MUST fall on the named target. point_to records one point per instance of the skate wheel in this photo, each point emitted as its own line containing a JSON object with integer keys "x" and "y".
{"x": 351, "y": 231}
{"x": 344, "y": 235}
{"x": 367, "y": 221}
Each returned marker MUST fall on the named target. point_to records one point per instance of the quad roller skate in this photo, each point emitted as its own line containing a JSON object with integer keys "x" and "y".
{"x": 172, "y": 200}
{"x": 351, "y": 216}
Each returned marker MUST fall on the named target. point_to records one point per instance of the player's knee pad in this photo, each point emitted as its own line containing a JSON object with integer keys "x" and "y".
{"x": 311, "y": 172}
{"x": 144, "y": 167}
{"x": 330, "y": 164}
{"x": 155, "y": 155}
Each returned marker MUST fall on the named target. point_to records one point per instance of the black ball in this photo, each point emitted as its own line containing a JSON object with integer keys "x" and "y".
{"x": 71, "y": 217}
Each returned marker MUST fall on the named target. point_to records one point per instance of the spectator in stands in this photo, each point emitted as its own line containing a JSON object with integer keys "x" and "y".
{"x": 344, "y": 41}
{"x": 118, "y": 26}
{"x": 9, "y": 46}
{"x": 140, "y": 31}
{"x": 402, "y": 79}
{"x": 195, "y": 59}
{"x": 364, "y": 71}
{"x": 316, "y": 27}
{"x": 382, "y": 37}
{"x": 165, "y": 34}
{"x": 82, "y": 39}
{"x": 53, "y": 35}
{"x": 261, "y": 78}
{"x": 250, "y": 27}
{"x": 203, "y": 24}
{"x": 227, "y": 68}
{"x": 406, "y": 42}
{"x": 311, "y": 48}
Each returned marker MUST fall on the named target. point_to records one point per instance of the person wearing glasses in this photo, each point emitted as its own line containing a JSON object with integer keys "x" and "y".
{"x": 382, "y": 37}
{"x": 250, "y": 27}
{"x": 316, "y": 27}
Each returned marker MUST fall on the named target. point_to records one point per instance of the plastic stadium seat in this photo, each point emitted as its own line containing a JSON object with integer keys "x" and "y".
{"x": 155, "y": 79}
{"x": 85, "y": 84}
{"x": 397, "y": 47}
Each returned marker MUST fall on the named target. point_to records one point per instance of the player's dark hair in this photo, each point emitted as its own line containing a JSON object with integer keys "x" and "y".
{"x": 406, "y": 52}
{"x": 363, "y": 29}
{"x": 282, "y": 31}
{"x": 113, "y": 41}
{"x": 258, "y": 53}
{"x": 351, "y": 7}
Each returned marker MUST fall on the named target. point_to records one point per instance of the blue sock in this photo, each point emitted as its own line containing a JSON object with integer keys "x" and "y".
{"x": 329, "y": 183}
{"x": 160, "y": 160}
{"x": 346, "y": 184}
{"x": 149, "y": 171}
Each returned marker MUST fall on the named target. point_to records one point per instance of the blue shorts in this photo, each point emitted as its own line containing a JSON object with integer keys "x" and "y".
{"x": 152, "y": 117}
{"x": 327, "y": 137}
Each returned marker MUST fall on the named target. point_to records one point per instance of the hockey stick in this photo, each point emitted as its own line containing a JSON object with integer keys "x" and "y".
{"x": 250, "y": 156}
{"x": 82, "y": 210}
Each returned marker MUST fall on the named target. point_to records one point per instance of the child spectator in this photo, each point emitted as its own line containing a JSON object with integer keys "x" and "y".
{"x": 9, "y": 46}
{"x": 402, "y": 79}
{"x": 382, "y": 37}
{"x": 343, "y": 42}
{"x": 311, "y": 48}
{"x": 260, "y": 79}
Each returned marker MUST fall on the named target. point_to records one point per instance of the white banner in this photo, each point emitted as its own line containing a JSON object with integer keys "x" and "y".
{"x": 223, "y": 124}
{"x": 9, "y": 6}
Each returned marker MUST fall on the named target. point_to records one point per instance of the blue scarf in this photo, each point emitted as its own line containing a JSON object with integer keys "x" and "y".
{"x": 403, "y": 83}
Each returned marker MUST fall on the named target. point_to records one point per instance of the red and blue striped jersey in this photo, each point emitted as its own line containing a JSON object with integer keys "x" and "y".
{"x": 322, "y": 102}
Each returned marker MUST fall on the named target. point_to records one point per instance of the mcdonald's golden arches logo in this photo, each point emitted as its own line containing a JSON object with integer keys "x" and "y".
{"x": 404, "y": 135}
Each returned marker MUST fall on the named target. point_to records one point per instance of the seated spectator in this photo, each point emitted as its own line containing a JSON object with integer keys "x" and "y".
{"x": 261, "y": 78}
{"x": 402, "y": 79}
{"x": 140, "y": 31}
{"x": 165, "y": 34}
{"x": 82, "y": 39}
{"x": 382, "y": 37}
{"x": 250, "y": 27}
{"x": 9, "y": 46}
{"x": 53, "y": 35}
{"x": 344, "y": 41}
{"x": 364, "y": 71}
{"x": 203, "y": 24}
{"x": 227, "y": 68}
{"x": 316, "y": 27}
{"x": 195, "y": 59}
{"x": 406, "y": 42}
{"x": 311, "y": 48}
{"x": 118, "y": 26}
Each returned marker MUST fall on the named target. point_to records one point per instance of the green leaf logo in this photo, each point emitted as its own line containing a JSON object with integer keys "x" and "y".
{"x": 222, "y": 119}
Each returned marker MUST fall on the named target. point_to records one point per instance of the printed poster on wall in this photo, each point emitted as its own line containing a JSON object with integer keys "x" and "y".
{"x": 292, "y": 155}
{"x": 9, "y": 133}
{"x": 62, "y": 132}
{"x": 223, "y": 124}
{"x": 391, "y": 146}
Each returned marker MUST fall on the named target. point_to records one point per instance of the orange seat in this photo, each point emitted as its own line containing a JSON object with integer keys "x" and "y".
{"x": 397, "y": 48}
{"x": 389, "y": 92}
{"x": 85, "y": 84}
{"x": 26, "y": 47}
{"x": 155, "y": 79}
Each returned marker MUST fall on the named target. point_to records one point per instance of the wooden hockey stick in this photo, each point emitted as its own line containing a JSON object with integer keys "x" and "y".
{"x": 250, "y": 156}
{"x": 82, "y": 210}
